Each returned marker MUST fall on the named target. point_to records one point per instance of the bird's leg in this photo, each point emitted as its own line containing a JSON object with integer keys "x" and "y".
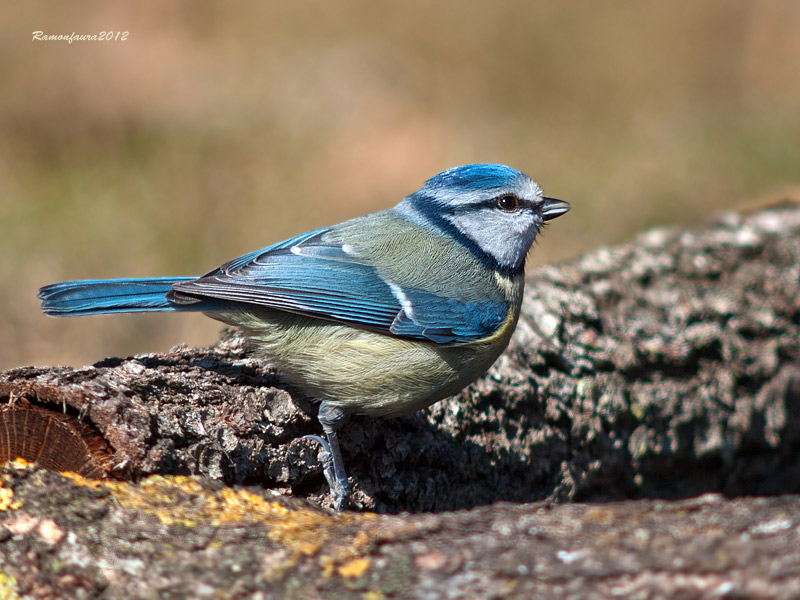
{"x": 331, "y": 418}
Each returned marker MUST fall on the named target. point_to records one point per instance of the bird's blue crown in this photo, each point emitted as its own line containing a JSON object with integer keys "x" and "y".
{"x": 470, "y": 178}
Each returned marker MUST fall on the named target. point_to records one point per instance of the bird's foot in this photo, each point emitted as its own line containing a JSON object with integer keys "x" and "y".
{"x": 340, "y": 486}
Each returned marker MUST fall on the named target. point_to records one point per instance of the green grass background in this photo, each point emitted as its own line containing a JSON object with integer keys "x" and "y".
{"x": 217, "y": 128}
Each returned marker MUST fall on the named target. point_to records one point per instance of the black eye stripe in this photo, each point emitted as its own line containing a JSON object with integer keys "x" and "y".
{"x": 490, "y": 203}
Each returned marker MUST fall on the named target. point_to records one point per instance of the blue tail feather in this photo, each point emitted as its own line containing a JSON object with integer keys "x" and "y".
{"x": 95, "y": 297}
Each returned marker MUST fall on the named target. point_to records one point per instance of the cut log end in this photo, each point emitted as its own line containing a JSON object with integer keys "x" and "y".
{"x": 52, "y": 439}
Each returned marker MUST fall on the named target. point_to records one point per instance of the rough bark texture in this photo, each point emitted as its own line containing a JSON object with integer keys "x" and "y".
{"x": 190, "y": 538}
{"x": 666, "y": 368}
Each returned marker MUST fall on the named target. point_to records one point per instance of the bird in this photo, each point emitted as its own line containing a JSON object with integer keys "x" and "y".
{"x": 383, "y": 314}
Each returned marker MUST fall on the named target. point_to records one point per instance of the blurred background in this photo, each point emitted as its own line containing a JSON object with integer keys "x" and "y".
{"x": 218, "y": 128}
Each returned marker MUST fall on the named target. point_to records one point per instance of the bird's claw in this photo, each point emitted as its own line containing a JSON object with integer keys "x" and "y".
{"x": 340, "y": 488}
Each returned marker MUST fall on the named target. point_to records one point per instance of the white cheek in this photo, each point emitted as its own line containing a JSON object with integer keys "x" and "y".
{"x": 505, "y": 237}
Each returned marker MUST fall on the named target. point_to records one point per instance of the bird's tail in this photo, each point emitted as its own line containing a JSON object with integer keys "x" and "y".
{"x": 79, "y": 298}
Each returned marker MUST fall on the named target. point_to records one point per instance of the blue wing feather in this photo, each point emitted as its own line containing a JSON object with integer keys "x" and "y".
{"x": 448, "y": 319}
{"x": 309, "y": 276}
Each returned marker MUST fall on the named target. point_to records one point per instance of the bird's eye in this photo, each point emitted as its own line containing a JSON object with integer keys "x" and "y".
{"x": 508, "y": 203}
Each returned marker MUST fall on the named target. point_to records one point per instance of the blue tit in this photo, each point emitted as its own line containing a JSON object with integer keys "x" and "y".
{"x": 384, "y": 314}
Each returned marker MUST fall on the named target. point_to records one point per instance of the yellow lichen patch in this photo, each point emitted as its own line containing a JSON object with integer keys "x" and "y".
{"x": 359, "y": 543}
{"x": 184, "y": 501}
{"x": 170, "y": 499}
{"x": 242, "y": 505}
{"x": 348, "y": 555}
{"x": 373, "y": 595}
{"x": 81, "y": 480}
{"x": 303, "y": 531}
{"x": 8, "y": 587}
{"x": 181, "y": 500}
{"x": 6, "y": 500}
{"x": 354, "y": 568}
{"x": 328, "y": 565}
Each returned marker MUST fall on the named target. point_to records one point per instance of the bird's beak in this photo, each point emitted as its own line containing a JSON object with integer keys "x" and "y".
{"x": 552, "y": 208}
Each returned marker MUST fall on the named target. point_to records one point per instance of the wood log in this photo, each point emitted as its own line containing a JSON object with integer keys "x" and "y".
{"x": 185, "y": 537}
{"x": 666, "y": 368}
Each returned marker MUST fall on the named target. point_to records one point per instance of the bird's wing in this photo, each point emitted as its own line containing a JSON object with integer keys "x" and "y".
{"x": 312, "y": 276}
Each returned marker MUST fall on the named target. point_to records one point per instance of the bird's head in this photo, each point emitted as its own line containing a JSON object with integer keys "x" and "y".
{"x": 494, "y": 210}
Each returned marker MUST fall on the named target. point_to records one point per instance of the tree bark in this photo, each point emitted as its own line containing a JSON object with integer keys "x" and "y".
{"x": 69, "y": 537}
{"x": 666, "y": 368}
